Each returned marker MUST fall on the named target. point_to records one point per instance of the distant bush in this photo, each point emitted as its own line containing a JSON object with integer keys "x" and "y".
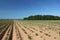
{"x": 42, "y": 17}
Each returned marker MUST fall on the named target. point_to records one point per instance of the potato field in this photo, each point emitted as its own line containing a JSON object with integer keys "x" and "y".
{"x": 29, "y": 29}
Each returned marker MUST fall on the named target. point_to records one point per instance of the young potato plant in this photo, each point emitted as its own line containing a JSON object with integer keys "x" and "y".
{"x": 41, "y": 32}
{"x": 33, "y": 28}
{"x": 59, "y": 33}
{"x": 8, "y": 34}
{"x": 24, "y": 31}
{"x": 30, "y": 38}
{"x": 17, "y": 36}
{"x": 47, "y": 34}
{"x": 1, "y": 29}
{"x": 36, "y": 34}
{"x": 27, "y": 34}
{"x": 29, "y": 29}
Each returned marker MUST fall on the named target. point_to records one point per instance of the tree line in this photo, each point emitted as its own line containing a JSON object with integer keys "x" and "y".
{"x": 42, "y": 17}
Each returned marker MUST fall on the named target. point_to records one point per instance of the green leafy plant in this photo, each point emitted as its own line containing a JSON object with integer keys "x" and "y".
{"x": 41, "y": 32}
{"x": 59, "y": 33}
{"x": 36, "y": 34}
{"x": 47, "y": 34}
{"x": 24, "y": 31}
{"x": 29, "y": 29}
{"x": 30, "y": 38}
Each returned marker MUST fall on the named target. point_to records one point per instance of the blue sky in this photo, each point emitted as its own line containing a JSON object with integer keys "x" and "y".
{"x": 22, "y": 8}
